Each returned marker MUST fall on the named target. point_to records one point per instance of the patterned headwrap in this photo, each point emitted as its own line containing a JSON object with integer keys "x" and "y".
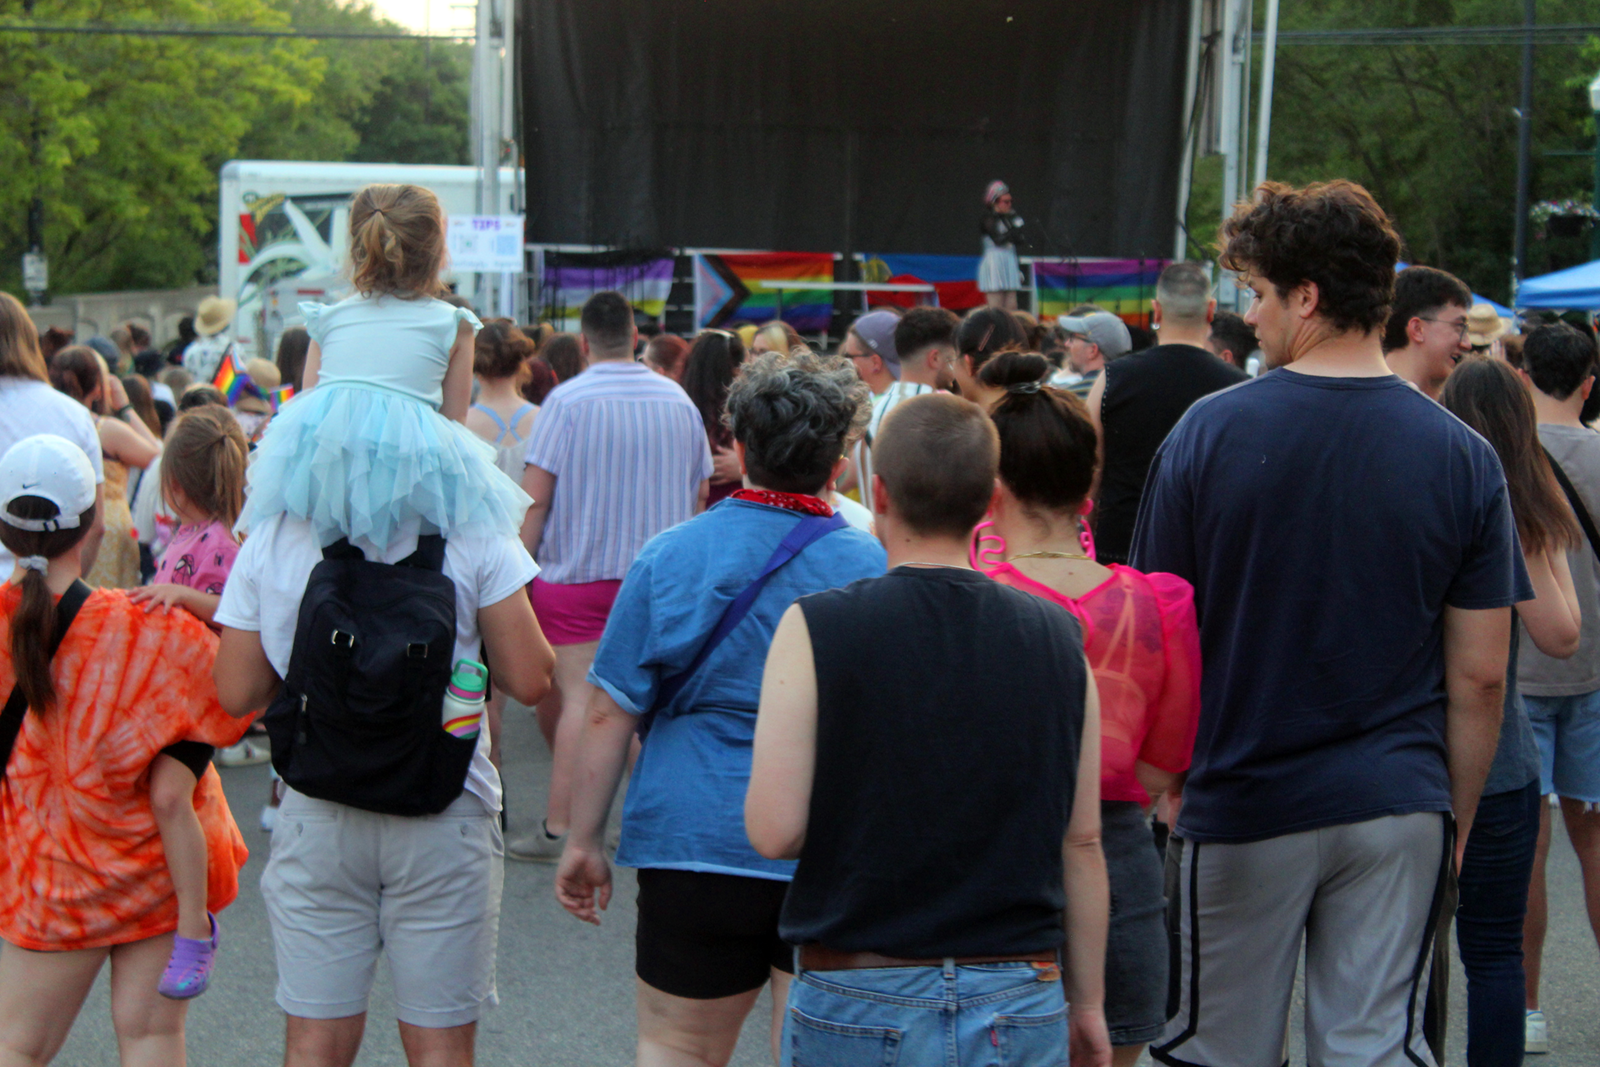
{"x": 996, "y": 190}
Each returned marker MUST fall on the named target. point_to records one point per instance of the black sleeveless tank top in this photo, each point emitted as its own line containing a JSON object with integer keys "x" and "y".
{"x": 1146, "y": 394}
{"x": 949, "y": 721}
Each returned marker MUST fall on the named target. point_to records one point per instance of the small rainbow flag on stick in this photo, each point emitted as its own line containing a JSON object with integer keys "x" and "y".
{"x": 231, "y": 380}
{"x": 279, "y": 397}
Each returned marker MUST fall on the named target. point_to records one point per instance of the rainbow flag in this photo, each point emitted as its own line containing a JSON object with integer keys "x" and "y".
{"x": 231, "y": 380}
{"x": 730, "y": 289}
{"x": 279, "y": 397}
{"x": 1123, "y": 287}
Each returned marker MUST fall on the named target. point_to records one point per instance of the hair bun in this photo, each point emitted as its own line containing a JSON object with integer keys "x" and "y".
{"x": 1015, "y": 369}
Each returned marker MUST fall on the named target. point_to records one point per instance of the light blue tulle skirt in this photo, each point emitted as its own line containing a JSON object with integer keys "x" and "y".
{"x": 360, "y": 463}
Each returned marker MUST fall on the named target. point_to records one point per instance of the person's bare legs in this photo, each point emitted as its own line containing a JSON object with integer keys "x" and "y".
{"x": 172, "y": 788}
{"x": 1535, "y": 923}
{"x": 995, "y": 300}
{"x": 681, "y": 1032}
{"x": 780, "y": 1010}
{"x": 40, "y": 996}
{"x": 572, "y": 674}
{"x": 1583, "y": 827}
{"x": 450, "y": 1046}
{"x": 149, "y": 1026}
{"x": 1125, "y": 1055}
{"x": 323, "y": 1042}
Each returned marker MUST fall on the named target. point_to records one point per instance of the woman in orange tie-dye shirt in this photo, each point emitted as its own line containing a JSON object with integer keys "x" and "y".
{"x": 83, "y": 877}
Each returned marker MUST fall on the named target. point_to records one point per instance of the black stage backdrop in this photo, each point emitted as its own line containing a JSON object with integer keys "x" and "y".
{"x": 847, "y": 125}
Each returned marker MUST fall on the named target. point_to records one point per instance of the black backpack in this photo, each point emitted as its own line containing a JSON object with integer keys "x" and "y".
{"x": 358, "y": 720}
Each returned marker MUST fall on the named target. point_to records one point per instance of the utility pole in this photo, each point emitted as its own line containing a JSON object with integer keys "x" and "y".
{"x": 1519, "y": 254}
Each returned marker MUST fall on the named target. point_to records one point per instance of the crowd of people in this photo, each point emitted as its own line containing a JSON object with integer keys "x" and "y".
{"x": 990, "y": 690}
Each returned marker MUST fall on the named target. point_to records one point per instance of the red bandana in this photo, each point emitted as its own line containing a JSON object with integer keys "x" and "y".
{"x": 790, "y": 501}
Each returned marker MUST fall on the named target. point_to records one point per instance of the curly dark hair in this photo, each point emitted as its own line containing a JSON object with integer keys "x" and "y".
{"x": 1332, "y": 234}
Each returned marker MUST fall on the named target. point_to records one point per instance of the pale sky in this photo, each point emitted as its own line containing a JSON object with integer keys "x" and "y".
{"x": 435, "y": 16}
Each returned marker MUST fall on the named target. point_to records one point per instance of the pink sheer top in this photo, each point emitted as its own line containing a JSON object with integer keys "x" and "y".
{"x": 1143, "y": 645}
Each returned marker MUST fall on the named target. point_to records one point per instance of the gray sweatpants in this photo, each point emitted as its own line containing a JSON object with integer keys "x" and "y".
{"x": 1362, "y": 897}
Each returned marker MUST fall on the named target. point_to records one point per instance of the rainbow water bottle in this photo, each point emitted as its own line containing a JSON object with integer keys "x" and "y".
{"x": 464, "y": 699}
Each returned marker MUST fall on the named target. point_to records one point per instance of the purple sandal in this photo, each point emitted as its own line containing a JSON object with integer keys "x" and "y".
{"x": 189, "y": 970}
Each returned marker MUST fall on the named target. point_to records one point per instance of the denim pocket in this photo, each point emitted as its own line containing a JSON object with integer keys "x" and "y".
{"x": 1031, "y": 1040}
{"x": 818, "y": 1043}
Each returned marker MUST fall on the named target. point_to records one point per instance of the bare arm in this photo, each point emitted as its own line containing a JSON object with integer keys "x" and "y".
{"x": 1476, "y": 647}
{"x": 246, "y": 682}
{"x": 541, "y": 485}
{"x": 119, "y": 402}
{"x": 583, "y": 881}
{"x": 784, "y": 756}
{"x": 122, "y": 443}
{"x": 1097, "y": 395}
{"x": 702, "y": 494}
{"x": 458, "y": 377}
{"x": 1553, "y": 618}
{"x": 521, "y": 661}
{"x": 1088, "y": 897}
{"x": 97, "y": 529}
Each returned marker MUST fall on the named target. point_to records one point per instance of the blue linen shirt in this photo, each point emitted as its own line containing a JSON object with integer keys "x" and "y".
{"x": 685, "y": 804}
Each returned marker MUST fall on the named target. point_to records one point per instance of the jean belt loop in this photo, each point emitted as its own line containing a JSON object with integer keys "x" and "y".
{"x": 797, "y": 967}
{"x": 949, "y": 968}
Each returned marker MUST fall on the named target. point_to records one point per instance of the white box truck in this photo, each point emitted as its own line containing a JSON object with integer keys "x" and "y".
{"x": 284, "y": 233}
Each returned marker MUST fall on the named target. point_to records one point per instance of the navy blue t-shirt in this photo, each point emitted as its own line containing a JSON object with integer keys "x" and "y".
{"x": 1325, "y": 524}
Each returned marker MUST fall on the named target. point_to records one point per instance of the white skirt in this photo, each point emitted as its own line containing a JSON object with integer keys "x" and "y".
{"x": 998, "y": 270}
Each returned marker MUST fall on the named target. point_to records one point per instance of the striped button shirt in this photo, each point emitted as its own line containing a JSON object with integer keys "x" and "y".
{"x": 628, "y": 450}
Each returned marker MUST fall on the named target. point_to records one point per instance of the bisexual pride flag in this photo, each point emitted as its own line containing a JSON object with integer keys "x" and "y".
{"x": 1123, "y": 287}
{"x": 730, "y": 289}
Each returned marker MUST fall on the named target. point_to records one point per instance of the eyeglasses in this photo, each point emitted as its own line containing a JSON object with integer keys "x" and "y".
{"x": 1459, "y": 327}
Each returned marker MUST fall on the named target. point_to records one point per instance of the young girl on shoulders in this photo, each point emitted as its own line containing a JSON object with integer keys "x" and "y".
{"x": 202, "y": 481}
{"x": 375, "y": 449}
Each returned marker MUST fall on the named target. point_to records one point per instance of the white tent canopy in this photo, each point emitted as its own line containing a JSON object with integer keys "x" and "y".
{"x": 1576, "y": 288}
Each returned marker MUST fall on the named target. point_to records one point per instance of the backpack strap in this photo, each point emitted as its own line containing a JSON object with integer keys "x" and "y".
{"x": 17, "y": 705}
{"x": 428, "y": 555}
{"x": 1576, "y": 501}
{"x": 809, "y": 529}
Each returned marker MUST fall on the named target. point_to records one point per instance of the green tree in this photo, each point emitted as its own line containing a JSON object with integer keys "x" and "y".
{"x": 121, "y": 136}
{"x": 1430, "y": 129}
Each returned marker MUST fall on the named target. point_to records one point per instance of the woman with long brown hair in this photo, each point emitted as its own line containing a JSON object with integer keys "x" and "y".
{"x": 1498, "y": 862}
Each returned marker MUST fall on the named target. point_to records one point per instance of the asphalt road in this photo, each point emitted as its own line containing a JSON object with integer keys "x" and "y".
{"x": 566, "y": 989}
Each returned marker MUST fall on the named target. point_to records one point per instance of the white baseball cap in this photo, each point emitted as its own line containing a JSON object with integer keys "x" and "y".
{"x": 51, "y": 467}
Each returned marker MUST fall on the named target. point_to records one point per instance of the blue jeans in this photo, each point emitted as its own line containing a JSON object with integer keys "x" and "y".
{"x": 1494, "y": 901}
{"x": 1001, "y": 1014}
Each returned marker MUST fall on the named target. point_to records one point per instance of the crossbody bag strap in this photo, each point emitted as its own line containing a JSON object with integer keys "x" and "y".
{"x": 17, "y": 705}
{"x": 1576, "y": 501}
{"x": 807, "y": 530}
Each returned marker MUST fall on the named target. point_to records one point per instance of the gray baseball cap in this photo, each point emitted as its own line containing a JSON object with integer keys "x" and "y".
{"x": 1104, "y": 329}
{"x": 876, "y": 330}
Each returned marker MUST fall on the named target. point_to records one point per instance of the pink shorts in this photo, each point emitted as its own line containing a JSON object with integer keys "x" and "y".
{"x": 572, "y": 614}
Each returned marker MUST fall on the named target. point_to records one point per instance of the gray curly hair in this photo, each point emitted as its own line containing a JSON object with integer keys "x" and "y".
{"x": 793, "y": 412}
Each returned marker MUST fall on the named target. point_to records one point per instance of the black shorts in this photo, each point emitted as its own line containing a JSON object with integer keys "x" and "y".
{"x": 192, "y": 754}
{"x": 703, "y": 936}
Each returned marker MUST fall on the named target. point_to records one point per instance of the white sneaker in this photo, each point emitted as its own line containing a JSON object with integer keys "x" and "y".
{"x": 1536, "y": 1033}
{"x": 244, "y": 754}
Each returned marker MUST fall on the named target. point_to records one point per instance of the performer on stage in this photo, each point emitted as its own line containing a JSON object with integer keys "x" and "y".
{"x": 999, "y": 273}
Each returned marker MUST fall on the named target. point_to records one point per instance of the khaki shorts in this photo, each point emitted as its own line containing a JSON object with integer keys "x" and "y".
{"x": 346, "y": 886}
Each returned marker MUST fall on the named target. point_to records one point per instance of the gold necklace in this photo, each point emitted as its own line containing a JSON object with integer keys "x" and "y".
{"x": 1049, "y": 555}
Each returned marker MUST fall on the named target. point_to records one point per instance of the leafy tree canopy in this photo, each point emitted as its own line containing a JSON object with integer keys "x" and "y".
{"x": 122, "y": 136}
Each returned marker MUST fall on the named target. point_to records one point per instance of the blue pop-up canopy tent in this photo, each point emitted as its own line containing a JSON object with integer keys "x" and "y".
{"x": 1576, "y": 288}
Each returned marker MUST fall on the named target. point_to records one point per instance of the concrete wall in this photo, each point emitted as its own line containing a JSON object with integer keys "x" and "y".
{"x": 157, "y": 310}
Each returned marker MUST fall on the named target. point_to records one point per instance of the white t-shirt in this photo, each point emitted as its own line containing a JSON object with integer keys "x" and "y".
{"x": 270, "y": 575}
{"x": 855, "y": 514}
{"x": 28, "y": 407}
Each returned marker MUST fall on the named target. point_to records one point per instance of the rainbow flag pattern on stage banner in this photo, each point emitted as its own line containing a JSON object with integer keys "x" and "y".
{"x": 729, "y": 289}
{"x": 1122, "y": 286}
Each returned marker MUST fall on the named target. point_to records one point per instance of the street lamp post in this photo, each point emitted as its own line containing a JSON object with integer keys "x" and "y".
{"x": 1594, "y": 224}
